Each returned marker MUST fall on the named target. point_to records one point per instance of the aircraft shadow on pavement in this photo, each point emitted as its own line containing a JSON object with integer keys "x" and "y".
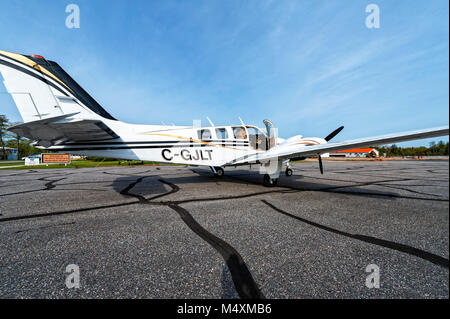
{"x": 149, "y": 185}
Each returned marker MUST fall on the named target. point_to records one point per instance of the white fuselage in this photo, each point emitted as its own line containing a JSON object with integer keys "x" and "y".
{"x": 203, "y": 146}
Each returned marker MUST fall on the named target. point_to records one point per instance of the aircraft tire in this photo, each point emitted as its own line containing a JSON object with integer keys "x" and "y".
{"x": 289, "y": 172}
{"x": 269, "y": 182}
{"x": 219, "y": 171}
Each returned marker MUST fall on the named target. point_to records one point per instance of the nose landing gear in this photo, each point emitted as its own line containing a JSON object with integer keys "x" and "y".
{"x": 288, "y": 171}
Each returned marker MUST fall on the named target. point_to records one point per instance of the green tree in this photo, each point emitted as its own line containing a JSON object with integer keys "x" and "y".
{"x": 17, "y": 138}
{"x": 12, "y": 140}
{"x": 435, "y": 149}
{"x": 25, "y": 147}
{"x": 4, "y": 124}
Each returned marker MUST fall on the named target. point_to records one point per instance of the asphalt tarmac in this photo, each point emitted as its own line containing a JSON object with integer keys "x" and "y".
{"x": 179, "y": 232}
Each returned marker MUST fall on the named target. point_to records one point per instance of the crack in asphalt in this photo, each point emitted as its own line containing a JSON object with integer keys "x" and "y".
{"x": 47, "y": 186}
{"x": 174, "y": 189}
{"x": 126, "y": 190}
{"x": 435, "y": 259}
{"x": 409, "y": 190}
{"x": 50, "y": 183}
{"x": 242, "y": 278}
{"x": 66, "y": 212}
{"x": 209, "y": 199}
{"x": 141, "y": 199}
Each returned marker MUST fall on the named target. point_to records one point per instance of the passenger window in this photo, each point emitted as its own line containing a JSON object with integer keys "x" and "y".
{"x": 221, "y": 133}
{"x": 204, "y": 135}
{"x": 239, "y": 133}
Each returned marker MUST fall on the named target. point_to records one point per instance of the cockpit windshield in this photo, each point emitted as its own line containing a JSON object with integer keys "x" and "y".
{"x": 257, "y": 138}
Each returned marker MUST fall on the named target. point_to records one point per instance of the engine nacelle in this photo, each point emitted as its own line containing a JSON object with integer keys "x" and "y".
{"x": 293, "y": 139}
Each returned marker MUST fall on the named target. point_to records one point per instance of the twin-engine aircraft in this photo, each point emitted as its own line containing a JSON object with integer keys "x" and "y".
{"x": 60, "y": 116}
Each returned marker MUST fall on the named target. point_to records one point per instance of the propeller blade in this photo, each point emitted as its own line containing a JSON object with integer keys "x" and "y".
{"x": 333, "y": 134}
{"x": 320, "y": 165}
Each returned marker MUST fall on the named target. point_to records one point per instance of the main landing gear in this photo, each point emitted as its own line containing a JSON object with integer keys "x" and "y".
{"x": 269, "y": 182}
{"x": 218, "y": 171}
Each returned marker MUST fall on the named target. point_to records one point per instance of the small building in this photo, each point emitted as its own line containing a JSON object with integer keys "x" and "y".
{"x": 357, "y": 152}
{"x": 11, "y": 153}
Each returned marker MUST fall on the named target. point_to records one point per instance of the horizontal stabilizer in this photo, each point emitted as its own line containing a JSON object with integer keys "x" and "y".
{"x": 64, "y": 128}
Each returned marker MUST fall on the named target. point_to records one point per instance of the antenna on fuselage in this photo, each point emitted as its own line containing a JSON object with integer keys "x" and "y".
{"x": 210, "y": 122}
{"x": 242, "y": 122}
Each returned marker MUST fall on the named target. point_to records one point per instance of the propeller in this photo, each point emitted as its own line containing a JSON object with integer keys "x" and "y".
{"x": 334, "y": 133}
{"x": 320, "y": 164}
{"x": 328, "y": 138}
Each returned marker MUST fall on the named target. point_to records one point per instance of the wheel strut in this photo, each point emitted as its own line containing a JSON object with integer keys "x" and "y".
{"x": 218, "y": 171}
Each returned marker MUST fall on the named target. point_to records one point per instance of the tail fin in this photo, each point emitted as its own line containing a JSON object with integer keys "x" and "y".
{"x": 42, "y": 89}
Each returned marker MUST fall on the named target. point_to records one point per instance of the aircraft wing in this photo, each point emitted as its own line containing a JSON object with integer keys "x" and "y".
{"x": 288, "y": 151}
{"x": 64, "y": 128}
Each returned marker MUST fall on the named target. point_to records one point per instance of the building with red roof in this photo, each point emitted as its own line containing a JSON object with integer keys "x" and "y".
{"x": 356, "y": 152}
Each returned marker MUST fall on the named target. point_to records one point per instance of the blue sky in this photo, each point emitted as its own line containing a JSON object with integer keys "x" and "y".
{"x": 309, "y": 66}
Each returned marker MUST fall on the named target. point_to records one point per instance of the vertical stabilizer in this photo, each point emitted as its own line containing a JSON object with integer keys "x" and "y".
{"x": 42, "y": 89}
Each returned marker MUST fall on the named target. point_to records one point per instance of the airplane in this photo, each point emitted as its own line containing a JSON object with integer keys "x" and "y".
{"x": 59, "y": 115}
